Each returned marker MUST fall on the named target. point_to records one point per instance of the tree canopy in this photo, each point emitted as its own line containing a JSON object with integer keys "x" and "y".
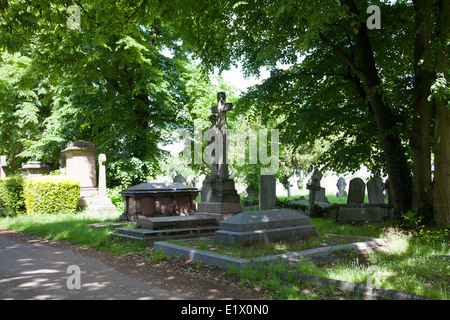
{"x": 378, "y": 95}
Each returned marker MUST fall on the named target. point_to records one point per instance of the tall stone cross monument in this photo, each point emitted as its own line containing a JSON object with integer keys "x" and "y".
{"x": 219, "y": 196}
{"x": 221, "y": 153}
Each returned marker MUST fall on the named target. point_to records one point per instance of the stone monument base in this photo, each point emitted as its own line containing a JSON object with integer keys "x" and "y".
{"x": 87, "y": 195}
{"x": 102, "y": 206}
{"x": 220, "y": 210}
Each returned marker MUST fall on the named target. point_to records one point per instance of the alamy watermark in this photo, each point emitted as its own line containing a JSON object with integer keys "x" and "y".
{"x": 74, "y": 20}
{"x": 238, "y": 147}
{"x": 374, "y": 20}
{"x": 74, "y": 280}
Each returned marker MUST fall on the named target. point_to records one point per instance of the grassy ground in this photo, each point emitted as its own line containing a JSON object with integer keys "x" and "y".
{"x": 414, "y": 265}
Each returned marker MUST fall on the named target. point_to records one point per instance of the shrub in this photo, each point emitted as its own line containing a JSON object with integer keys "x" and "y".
{"x": 51, "y": 195}
{"x": 11, "y": 195}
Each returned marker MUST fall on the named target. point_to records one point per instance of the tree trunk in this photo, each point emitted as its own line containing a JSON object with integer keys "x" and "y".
{"x": 421, "y": 125}
{"x": 395, "y": 156}
{"x": 441, "y": 186}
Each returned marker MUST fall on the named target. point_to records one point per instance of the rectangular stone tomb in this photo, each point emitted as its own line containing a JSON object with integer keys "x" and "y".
{"x": 156, "y": 223}
{"x": 159, "y": 199}
{"x": 264, "y": 226}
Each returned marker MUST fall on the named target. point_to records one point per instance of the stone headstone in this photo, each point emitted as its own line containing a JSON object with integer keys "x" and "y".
{"x": 313, "y": 186}
{"x": 252, "y": 193}
{"x": 375, "y": 191}
{"x": 356, "y": 191}
{"x": 264, "y": 226}
{"x": 3, "y": 165}
{"x": 341, "y": 184}
{"x": 102, "y": 204}
{"x": 289, "y": 186}
{"x": 267, "y": 192}
{"x": 179, "y": 178}
{"x": 80, "y": 164}
{"x": 320, "y": 192}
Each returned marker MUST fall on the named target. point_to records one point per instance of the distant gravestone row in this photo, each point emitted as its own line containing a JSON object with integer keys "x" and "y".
{"x": 356, "y": 191}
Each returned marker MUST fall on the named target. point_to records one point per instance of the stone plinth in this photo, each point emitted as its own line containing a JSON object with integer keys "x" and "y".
{"x": 219, "y": 198}
{"x": 158, "y": 199}
{"x": 35, "y": 168}
{"x": 80, "y": 164}
{"x": 264, "y": 226}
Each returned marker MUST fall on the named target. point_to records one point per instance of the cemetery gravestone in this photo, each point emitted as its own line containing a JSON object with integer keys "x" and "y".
{"x": 102, "y": 204}
{"x": 356, "y": 191}
{"x": 267, "y": 192}
{"x": 179, "y": 178}
{"x": 289, "y": 186}
{"x": 375, "y": 191}
{"x": 312, "y": 187}
{"x": 341, "y": 184}
{"x": 3, "y": 165}
{"x": 320, "y": 192}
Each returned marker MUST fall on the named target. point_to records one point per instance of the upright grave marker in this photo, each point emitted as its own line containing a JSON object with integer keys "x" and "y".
{"x": 102, "y": 204}
{"x": 356, "y": 191}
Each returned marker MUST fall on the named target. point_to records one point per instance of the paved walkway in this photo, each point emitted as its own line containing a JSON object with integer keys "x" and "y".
{"x": 38, "y": 271}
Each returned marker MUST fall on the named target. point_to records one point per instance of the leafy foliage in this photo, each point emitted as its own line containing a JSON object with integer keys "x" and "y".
{"x": 51, "y": 195}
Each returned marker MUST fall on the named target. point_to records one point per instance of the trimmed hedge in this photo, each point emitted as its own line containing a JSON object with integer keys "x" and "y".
{"x": 11, "y": 195}
{"x": 51, "y": 195}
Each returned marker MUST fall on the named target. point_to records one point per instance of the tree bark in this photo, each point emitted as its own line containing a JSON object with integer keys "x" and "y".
{"x": 395, "y": 156}
{"x": 441, "y": 186}
{"x": 421, "y": 123}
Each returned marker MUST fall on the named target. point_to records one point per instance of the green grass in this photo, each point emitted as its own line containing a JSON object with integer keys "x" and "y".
{"x": 72, "y": 228}
{"x": 412, "y": 265}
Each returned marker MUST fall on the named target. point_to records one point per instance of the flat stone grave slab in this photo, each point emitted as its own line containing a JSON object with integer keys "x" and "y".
{"x": 172, "y": 227}
{"x": 264, "y": 226}
{"x": 192, "y": 221}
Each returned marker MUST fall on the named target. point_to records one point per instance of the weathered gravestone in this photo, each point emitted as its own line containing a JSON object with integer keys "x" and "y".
{"x": 375, "y": 191}
{"x": 252, "y": 193}
{"x": 179, "y": 178}
{"x": 218, "y": 195}
{"x": 341, "y": 184}
{"x": 313, "y": 186}
{"x": 267, "y": 192}
{"x": 289, "y": 186}
{"x": 3, "y": 165}
{"x": 356, "y": 191}
{"x": 102, "y": 204}
{"x": 320, "y": 192}
{"x": 264, "y": 226}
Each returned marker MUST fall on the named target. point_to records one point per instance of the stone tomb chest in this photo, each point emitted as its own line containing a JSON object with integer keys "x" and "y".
{"x": 158, "y": 199}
